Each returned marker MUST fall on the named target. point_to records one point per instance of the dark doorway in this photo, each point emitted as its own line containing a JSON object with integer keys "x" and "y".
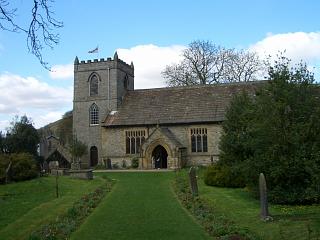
{"x": 160, "y": 156}
{"x": 93, "y": 156}
{"x": 109, "y": 166}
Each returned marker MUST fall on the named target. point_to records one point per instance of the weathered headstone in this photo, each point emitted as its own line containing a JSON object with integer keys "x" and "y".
{"x": 8, "y": 173}
{"x": 75, "y": 166}
{"x": 57, "y": 185}
{"x": 263, "y": 198}
{"x": 193, "y": 181}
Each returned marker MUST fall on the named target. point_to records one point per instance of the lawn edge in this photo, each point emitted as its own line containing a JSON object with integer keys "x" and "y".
{"x": 216, "y": 226}
{"x": 75, "y": 215}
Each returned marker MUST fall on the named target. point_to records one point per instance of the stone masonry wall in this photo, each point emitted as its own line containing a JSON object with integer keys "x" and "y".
{"x": 113, "y": 143}
{"x": 111, "y": 83}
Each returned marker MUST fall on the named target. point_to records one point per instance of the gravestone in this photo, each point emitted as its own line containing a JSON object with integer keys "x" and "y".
{"x": 75, "y": 165}
{"x": 8, "y": 173}
{"x": 193, "y": 181}
{"x": 264, "y": 213}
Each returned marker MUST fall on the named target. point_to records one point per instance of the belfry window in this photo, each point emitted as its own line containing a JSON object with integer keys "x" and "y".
{"x": 94, "y": 84}
{"x": 134, "y": 139}
{"x": 94, "y": 114}
{"x": 199, "y": 140}
{"x": 126, "y": 82}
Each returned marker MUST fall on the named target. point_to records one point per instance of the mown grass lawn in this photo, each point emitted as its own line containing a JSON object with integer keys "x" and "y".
{"x": 290, "y": 222}
{"x": 140, "y": 206}
{"x": 24, "y": 206}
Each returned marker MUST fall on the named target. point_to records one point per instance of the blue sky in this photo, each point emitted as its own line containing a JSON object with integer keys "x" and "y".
{"x": 149, "y": 33}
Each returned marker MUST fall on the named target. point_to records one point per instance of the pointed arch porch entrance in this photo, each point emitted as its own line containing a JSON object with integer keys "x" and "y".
{"x": 159, "y": 158}
{"x": 161, "y": 143}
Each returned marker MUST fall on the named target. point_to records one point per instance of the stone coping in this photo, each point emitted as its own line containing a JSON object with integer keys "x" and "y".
{"x": 79, "y": 170}
{"x": 81, "y": 174}
{"x": 132, "y": 170}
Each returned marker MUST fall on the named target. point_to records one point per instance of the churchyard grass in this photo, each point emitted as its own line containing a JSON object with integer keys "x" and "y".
{"x": 289, "y": 222}
{"x": 25, "y": 206}
{"x": 140, "y": 206}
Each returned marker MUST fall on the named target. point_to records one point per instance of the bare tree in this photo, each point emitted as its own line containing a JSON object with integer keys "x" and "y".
{"x": 206, "y": 63}
{"x": 39, "y": 31}
{"x": 202, "y": 64}
{"x": 179, "y": 75}
{"x": 243, "y": 66}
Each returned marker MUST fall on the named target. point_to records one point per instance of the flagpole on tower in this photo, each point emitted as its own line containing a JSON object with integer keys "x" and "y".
{"x": 96, "y": 50}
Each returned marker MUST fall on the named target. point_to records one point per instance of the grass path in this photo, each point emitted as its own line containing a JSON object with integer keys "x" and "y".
{"x": 140, "y": 206}
{"x": 24, "y": 206}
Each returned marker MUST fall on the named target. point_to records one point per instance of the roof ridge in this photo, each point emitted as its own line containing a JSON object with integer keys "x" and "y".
{"x": 200, "y": 86}
{"x": 175, "y": 105}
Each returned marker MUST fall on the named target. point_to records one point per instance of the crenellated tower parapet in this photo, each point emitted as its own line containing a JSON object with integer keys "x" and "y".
{"x": 99, "y": 87}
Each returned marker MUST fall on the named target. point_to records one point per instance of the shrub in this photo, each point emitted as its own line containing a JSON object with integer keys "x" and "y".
{"x": 223, "y": 176}
{"x": 115, "y": 166}
{"x": 135, "y": 162}
{"x": 99, "y": 166}
{"x": 23, "y": 166}
{"x": 4, "y": 162}
{"x": 124, "y": 164}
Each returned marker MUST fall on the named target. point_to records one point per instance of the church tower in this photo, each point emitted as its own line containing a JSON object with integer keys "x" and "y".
{"x": 99, "y": 87}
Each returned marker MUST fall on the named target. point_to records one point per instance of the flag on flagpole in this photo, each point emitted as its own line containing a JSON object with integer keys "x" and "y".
{"x": 96, "y": 50}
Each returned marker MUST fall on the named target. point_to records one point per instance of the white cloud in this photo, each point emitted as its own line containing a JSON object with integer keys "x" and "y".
{"x": 47, "y": 118}
{"x": 19, "y": 92}
{"x": 62, "y": 71}
{"x": 297, "y": 46}
{"x": 39, "y": 118}
{"x": 149, "y": 61}
{"x": 3, "y": 125}
{"x": 28, "y": 95}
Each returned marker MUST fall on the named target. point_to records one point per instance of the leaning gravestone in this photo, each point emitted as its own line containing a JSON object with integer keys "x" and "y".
{"x": 193, "y": 181}
{"x": 8, "y": 173}
{"x": 263, "y": 198}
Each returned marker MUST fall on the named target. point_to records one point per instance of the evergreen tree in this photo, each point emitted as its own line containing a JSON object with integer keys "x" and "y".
{"x": 277, "y": 133}
{"x": 22, "y": 137}
{"x": 235, "y": 140}
{"x": 285, "y": 135}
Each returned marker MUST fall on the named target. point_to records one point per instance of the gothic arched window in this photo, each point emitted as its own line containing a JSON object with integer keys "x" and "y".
{"x": 126, "y": 82}
{"x": 94, "y": 83}
{"x": 94, "y": 114}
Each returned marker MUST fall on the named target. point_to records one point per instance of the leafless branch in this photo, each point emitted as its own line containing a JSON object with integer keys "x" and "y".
{"x": 39, "y": 32}
{"x": 206, "y": 63}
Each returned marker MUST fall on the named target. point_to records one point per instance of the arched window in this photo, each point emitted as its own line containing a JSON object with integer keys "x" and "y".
{"x": 94, "y": 114}
{"x": 94, "y": 83}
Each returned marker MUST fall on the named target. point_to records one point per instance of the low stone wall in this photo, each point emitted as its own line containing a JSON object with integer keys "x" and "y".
{"x": 60, "y": 172}
{"x": 81, "y": 174}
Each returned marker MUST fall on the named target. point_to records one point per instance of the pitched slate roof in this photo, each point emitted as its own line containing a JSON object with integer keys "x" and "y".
{"x": 170, "y": 136}
{"x": 175, "y": 105}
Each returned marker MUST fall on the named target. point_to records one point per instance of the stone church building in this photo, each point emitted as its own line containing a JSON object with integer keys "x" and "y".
{"x": 161, "y": 128}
